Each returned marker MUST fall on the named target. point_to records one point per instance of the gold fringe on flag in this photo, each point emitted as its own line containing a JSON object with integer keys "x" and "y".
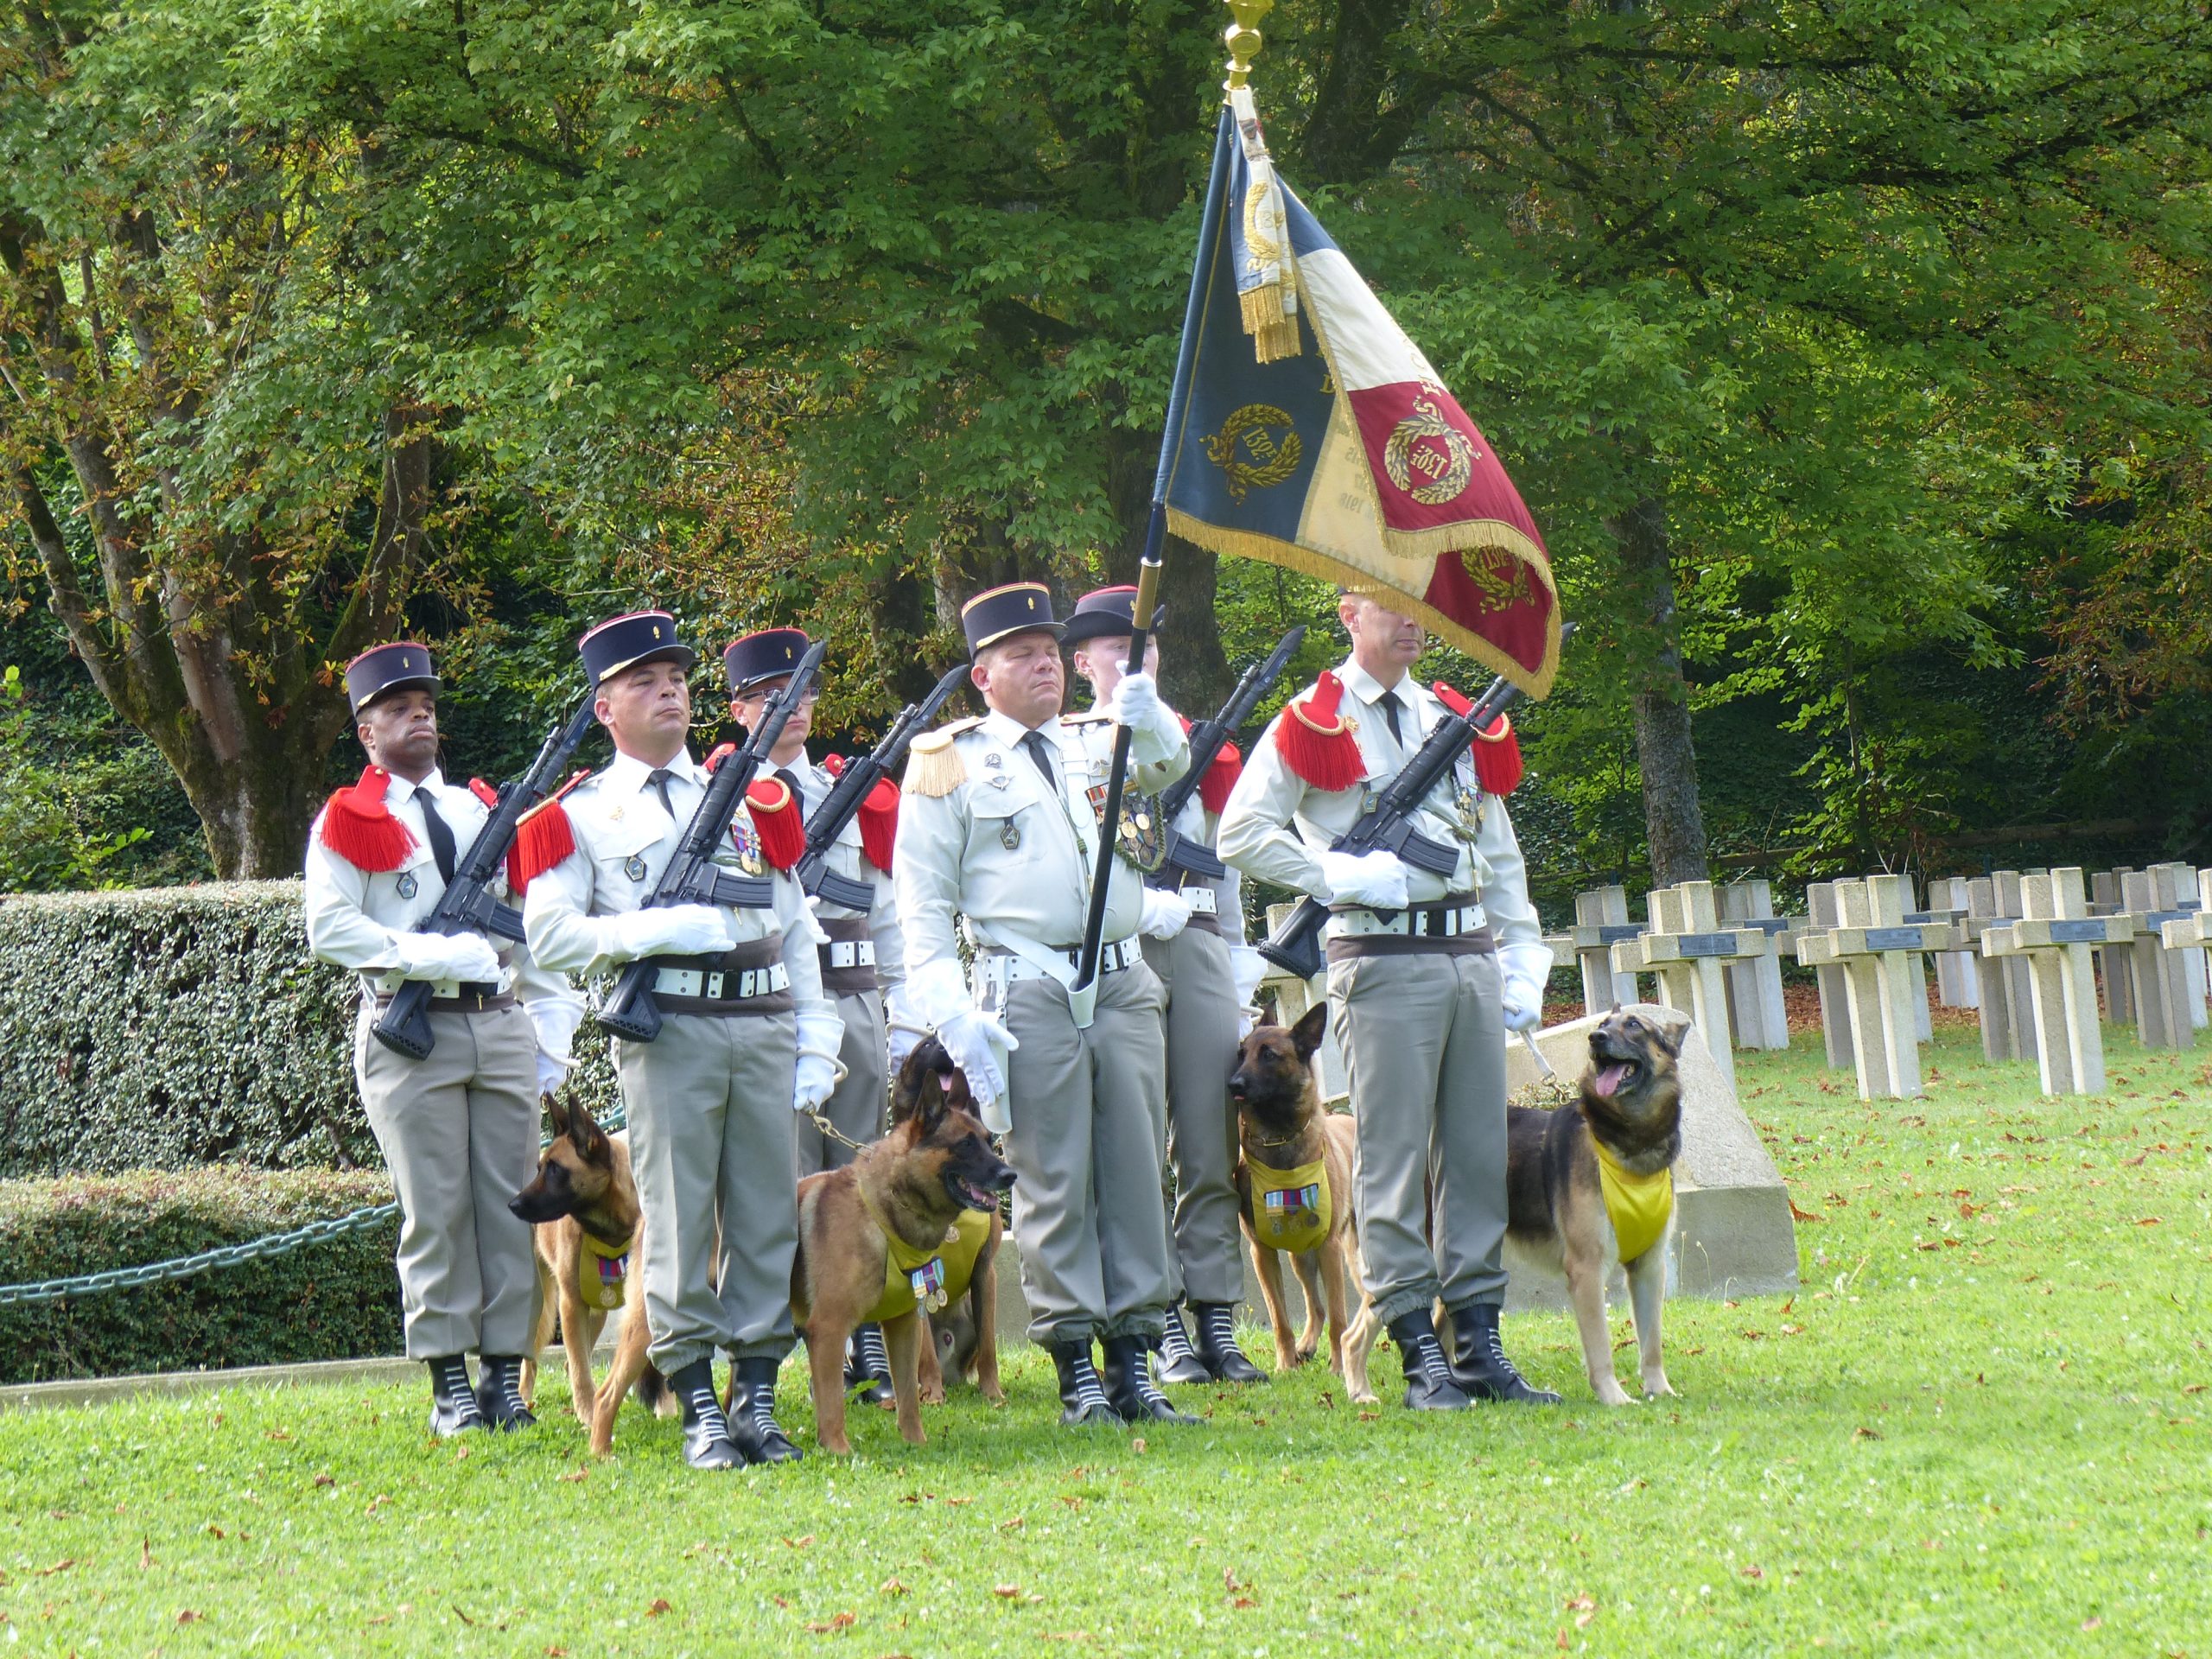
{"x": 1273, "y": 325}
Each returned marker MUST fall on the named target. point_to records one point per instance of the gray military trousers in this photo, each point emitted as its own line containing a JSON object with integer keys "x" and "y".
{"x": 459, "y": 1132}
{"x": 1201, "y": 1032}
{"x": 709, "y": 1105}
{"x": 858, "y": 1106}
{"x": 1089, "y": 1109}
{"x": 1424, "y": 1047}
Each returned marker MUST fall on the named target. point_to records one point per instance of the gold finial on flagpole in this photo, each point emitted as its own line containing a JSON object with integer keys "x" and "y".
{"x": 1244, "y": 39}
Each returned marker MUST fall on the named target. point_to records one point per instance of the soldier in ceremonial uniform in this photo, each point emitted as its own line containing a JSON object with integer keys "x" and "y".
{"x": 1426, "y": 977}
{"x": 863, "y": 963}
{"x": 1193, "y": 933}
{"x": 459, "y": 1127}
{"x": 748, "y": 1037}
{"x": 999, "y": 828}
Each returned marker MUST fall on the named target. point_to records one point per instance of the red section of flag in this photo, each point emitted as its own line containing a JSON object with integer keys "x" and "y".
{"x": 1432, "y": 466}
{"x": 1497, "y": 596}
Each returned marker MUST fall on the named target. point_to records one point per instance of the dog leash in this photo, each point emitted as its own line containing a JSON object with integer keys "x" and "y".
{"x": 832, "y": 1131}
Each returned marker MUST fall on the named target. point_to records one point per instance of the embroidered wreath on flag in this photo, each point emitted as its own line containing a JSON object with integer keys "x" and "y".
{"x": 1243, "y": 475}
{"x": 1427, "y": 422}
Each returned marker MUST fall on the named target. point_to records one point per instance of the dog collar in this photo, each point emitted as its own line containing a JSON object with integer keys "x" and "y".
{"x": 1639, "y": 1206}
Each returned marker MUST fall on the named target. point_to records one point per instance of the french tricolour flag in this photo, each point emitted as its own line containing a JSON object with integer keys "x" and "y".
{"x": 1307, "y": 430}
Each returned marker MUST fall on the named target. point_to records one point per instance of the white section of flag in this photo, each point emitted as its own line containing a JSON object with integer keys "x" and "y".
{"x": 1367, "y": 346}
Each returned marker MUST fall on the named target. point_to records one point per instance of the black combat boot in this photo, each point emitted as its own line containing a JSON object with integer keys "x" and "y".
{"x": 1478, "y": 1362}
{"x": 499, "y": 1392}
{"x": 1429, "y": 1386}
{"x": 753, "y": 1428}
{"x": 1217, "y": 1350}
{"x": 867, "y": 1366}
{"x": 453, "y": 1410}
{"x": 1177, "y": 1361}
{"x": 705, "y": 1431}
{"x": 1083, "y": 1399}
{"x": 1129, "y": 1388}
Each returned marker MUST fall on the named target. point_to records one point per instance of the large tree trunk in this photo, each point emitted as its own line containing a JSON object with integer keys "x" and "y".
{"x": 1672, "y": 819}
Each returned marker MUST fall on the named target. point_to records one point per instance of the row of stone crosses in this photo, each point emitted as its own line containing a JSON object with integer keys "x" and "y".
{"x": 2029, "y": 951}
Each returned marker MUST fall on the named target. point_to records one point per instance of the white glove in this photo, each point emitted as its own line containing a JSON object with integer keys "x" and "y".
{"x": 903, "y": 1028}
{"x": 810, "y": 920}
{"x": 969, "y": 1037}
{"x": 1376, "y": 879}
{"x": 816, "y": 1082}
{"x": 1166, "y": 914}
{"x": 1247, "y": 968}
{"x": 1523, "y": 971}
{"x": 435, "y": 956}
{"x": 1137, "y": 705}
{"x": 672, "y": 930}
{"x": 820, "y": 1036}
{"x": 555, "y": 1019}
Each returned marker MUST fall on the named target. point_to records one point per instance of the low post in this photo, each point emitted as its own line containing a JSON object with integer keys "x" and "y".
{"x": 1755, "y": 1010}
{"x": 1684, "y": 949}
{"x": 2053, "y": 942}
{"x": 1600, "y": 923}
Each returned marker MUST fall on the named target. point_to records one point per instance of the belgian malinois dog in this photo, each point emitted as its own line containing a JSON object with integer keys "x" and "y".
{"x": 1282, "y": 1126}
{"x": 1629, "y": 1113}
{"x": 586, "y": 1232}
{"x": 916, "y": 1183}
{"x": 962, "y": 1337}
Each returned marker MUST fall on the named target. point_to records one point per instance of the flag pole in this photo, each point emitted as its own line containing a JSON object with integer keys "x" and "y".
{"x": 1244, "y": 41}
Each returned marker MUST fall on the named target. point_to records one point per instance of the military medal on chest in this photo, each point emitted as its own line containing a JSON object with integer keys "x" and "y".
{"x": 747, "y": 840}
{"x": 407, "y": 887}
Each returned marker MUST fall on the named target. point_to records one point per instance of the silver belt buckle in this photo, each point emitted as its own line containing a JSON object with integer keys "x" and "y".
{"x": 865, "y": 953}
{"x": 679, "y": 982}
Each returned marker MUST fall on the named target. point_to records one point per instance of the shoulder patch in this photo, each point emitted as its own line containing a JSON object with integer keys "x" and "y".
{"x": 1092, "y": 718}
{"x": 934, "y": 767}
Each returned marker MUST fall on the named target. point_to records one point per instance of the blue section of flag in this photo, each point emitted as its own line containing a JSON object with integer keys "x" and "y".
{"x": 1249, "y": 435}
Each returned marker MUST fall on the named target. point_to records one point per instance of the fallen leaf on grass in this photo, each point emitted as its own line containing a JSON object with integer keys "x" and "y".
{"x": 2093, "y": 1623}
{"x": 891, "y": 1587}
{"x": 574, "y": 1475}
{"x": 1243, "y": 1602}
{"x": 659, "y": 1606}
{"x": 145, "y": 1554}
{"x": 278, "y": 1434}
{"x": 1863, "y": 1432}
{"x": 65, "y": 1564}
{"x": 1070, "y": 1636}
{"x": 1582, "y": 1620}
{"x": 835, "y": 1622}
{"x": 1006, "y": 1591}
{"x": 1754, "y": 1573}
{"x": 1137, "y": 1446}
{"x": 1015, "y": 1525}
{"x": 1796, "y": 1214}
{"x": 462, "y": 1616}
{"x": 556, "y": 1653}
{"x": 800, "y": 1543}
{"x": 2146, "y": 1221}
{"x": 189, "y": 1617}
{"x": 326, "y": 1480}
{"x": 957, "y": 1501}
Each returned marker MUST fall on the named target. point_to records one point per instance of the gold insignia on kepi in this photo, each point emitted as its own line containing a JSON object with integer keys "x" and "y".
{"x": 1427, "y": 457}
{"x": 1258, "y": 446}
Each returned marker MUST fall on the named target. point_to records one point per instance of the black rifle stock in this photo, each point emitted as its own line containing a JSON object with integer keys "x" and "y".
{"x": 690, "y": 878}
{"x": 1206, "y": 740}
{"x": 843, "y": 801}
{"x": 467, "y": 905}
{"x": 1295, "y": 946}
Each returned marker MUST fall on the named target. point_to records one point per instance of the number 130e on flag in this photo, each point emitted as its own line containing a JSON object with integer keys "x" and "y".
{"x": 1310, "y": 432}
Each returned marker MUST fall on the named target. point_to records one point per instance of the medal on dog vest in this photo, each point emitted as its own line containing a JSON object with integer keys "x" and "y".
{"x": 928, "y": 1279}
{"x": 1639, "y": 1206}
{"x": 602, "y": 1274}
{"x": 1291, "y": 1209}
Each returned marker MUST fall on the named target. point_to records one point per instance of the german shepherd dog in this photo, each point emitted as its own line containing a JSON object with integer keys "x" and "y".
{"x": 935, "y": 1163}
{"x": 1282, "y": 1125}
{"x": 583, "y": 1187}
{"x": 1630, "y": 1103}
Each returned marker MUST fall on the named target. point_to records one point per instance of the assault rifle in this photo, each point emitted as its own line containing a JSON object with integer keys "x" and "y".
{"x": 692, "y": 878}
{"x": 1180, "y": 853}
{"x": 1386, "y": 826}
{"x": 467, "y": 904}
{"x": 853, "y": 784}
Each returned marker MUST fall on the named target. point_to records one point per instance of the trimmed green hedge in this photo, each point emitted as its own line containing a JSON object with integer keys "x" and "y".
{"x": 178, "y": 1026}
{"x": 337, "y": 1299}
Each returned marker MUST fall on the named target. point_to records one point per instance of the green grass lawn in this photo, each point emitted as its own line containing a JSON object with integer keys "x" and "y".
{"x": 1981, "y": 1426}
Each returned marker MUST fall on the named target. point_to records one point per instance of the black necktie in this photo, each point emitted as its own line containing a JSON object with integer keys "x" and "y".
{"x": 659, "y": 779}
{"x": 791, "y": 782}
{"x": 1040, "y": 752}
{"x": 440, "y": 835}
{"x": 1389, "y": 701}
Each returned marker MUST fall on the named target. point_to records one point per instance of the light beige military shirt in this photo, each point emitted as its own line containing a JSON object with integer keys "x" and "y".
{"x": 1275, "y": 823}
{"x": 1008, "y": 849}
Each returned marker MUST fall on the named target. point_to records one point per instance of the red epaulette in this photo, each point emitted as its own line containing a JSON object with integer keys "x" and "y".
{"x": 484, "y": 792}
{"x": 879, "y": 816}
{"x": 542, "y": 839}
{"x": 720, "y": 752}
{"x": 1498, "y": 752}
{"x": 1316, "y": 740}
{"x": 358, "y": 825}
{"x": 1228, "y": 765}
{"x": 779, "y": 819}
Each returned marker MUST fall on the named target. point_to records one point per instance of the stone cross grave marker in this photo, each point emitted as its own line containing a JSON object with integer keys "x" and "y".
{"x": 2156, "y": 972}
{"x": 1684, "y": 950}
{"x": 1756, "y": 1012}
{"x": 1822, "y": 913}
{"x": 1878, "y": 952}
{"x": 2194, "y": 927}
{"x": 1958, "y": 983}
{"x": 2115, "y": 968}
{"x": 2008, "y": 1030}
{"x": 1600, "y": 923}
{"x": 2193, "y": 961}
{"x": 2054, "y": 938}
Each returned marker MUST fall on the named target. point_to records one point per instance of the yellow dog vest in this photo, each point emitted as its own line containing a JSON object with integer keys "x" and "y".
{"x": 602, "y": 1274}
{"x": 1290, "y": 1207}
{"x": 927, "y": 1277}
{"x": 1637, "y": 1204}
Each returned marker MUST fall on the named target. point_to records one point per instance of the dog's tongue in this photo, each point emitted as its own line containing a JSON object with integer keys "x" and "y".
{"x": 1608, "y": 1080}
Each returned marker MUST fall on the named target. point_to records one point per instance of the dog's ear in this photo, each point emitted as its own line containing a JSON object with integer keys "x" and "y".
{"x": 1307, "y": 1034}
{"x": 1669, "y": 1037}
{"x": 585, "y": 1134}
{"x": 556, "y": 1115}
{"x": 933, "y": 1105}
